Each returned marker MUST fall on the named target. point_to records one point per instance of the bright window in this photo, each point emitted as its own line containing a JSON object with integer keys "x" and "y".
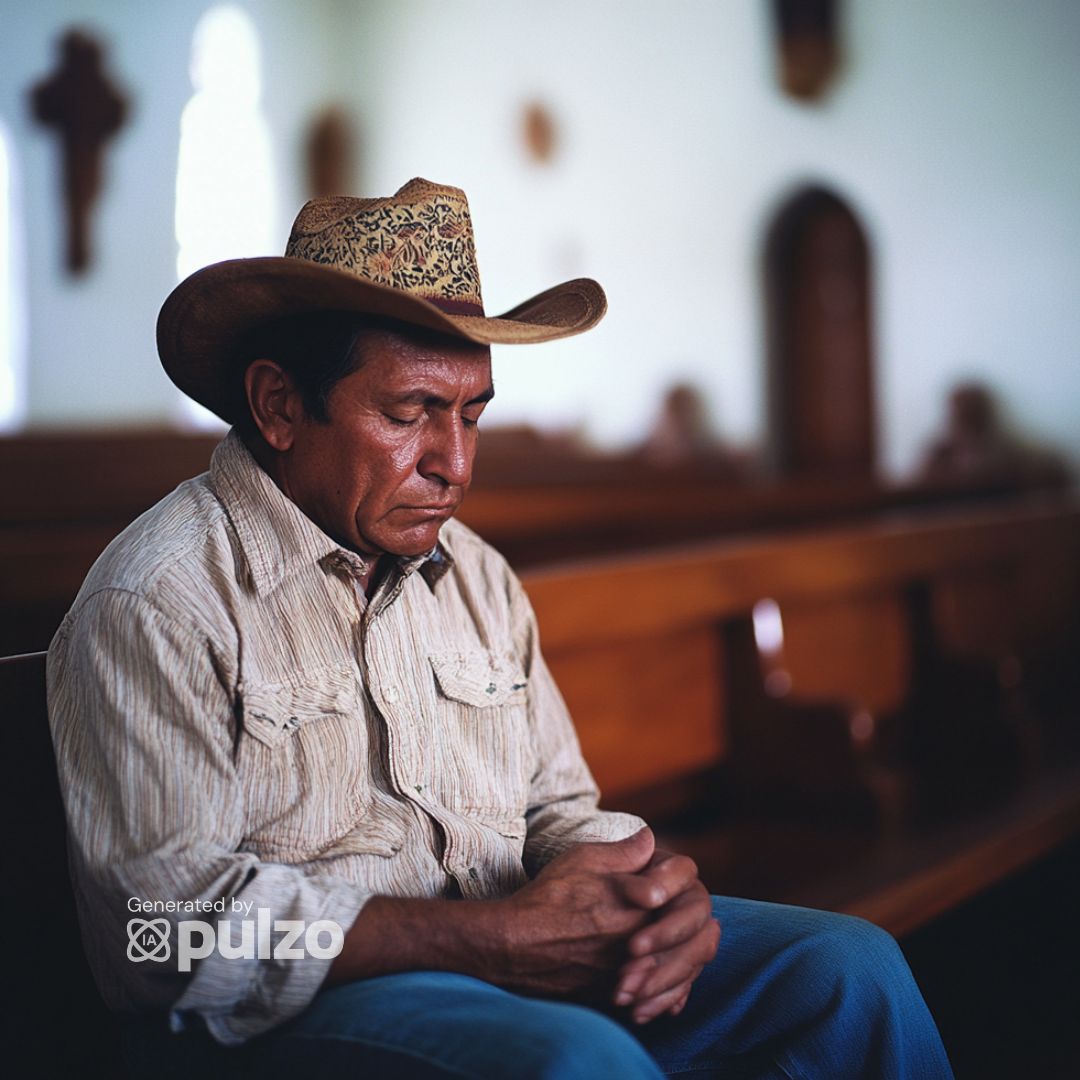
{"x": 12, "y": 293}
{"x": 226, "y": 195}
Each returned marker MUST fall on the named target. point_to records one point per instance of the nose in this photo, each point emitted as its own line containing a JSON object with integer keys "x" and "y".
{"x": 448, "y": 457}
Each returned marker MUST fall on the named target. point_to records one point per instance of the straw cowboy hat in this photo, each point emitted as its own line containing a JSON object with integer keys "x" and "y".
{"x": 408, "y": 257}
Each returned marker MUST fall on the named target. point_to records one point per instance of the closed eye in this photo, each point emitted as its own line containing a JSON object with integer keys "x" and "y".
{"x": 401, "y": 421}
{"x": 472, "y": 412}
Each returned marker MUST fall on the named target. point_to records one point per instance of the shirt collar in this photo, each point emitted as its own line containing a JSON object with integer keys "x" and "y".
{"x": 277, "y": 538}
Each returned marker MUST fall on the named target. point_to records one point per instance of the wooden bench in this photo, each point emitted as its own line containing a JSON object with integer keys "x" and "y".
{"x": 67, "y": 495}
{"x": 679, "y": 702}
{"x": 55, "y": 1024}
{"x": 882, "y": 622}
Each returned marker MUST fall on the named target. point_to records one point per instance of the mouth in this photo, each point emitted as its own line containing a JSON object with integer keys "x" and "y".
{"x": 433, "y": 509}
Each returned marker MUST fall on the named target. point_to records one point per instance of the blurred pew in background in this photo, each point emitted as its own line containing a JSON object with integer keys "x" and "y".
{"x": 842, "y": 748}
{"x": 65, "y": 496}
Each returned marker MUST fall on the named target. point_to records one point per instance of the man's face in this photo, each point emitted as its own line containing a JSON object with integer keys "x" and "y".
{"x": 395, "y": 460}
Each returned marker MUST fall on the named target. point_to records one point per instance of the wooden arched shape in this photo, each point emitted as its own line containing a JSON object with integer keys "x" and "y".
{"x": 820, "y": 366}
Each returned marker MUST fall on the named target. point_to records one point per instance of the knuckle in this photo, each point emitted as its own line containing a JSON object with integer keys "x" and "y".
{"x": 683, "y": 866}
{"x": 690, "y": 865}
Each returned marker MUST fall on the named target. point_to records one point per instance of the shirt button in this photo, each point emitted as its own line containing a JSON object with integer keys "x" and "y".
{"x": 390, "y": 695}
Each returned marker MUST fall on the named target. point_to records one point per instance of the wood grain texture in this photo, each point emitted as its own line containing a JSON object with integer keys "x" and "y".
{"x": 646, "y": 710}
{"x": 582, "y": 603}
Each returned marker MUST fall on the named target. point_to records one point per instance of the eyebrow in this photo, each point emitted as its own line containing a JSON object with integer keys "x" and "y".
{"x": 422, "y": 397}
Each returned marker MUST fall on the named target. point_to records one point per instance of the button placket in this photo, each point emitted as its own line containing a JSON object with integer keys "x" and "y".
{"x": 377, "y": 641}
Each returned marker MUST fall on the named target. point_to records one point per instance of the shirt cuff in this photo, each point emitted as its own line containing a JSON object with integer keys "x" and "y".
{"x": 240, "y": 997}
{"x": 551, "y": 840}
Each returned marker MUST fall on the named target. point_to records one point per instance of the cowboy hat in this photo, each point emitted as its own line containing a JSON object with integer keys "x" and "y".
{"x": 409, "y": 257}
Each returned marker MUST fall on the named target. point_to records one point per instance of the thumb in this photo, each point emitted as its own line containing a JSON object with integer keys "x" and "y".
{"x": 633, "y": 852}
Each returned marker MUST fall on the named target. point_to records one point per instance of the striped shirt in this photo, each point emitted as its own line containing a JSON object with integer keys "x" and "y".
{"x": 234, "y": 723}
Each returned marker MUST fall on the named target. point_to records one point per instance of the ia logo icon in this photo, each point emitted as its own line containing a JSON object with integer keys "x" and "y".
{"x": 148, "y": 939}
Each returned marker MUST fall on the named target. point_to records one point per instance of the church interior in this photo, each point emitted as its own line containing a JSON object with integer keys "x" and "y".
{"x": 798, "y": 519}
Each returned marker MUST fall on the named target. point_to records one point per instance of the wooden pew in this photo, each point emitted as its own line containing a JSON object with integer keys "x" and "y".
{"x": 55, "y": 1022}
{"x": 642, "y": 644}
{"x": 816, "y": 693}
{"x": 641, "y": 647}
{"x": 635, "y": 603}
{"x": 66, "y": 495}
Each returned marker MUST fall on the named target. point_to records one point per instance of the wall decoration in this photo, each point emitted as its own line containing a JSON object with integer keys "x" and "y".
{"x": 538, "y": 132}
{"x": 808, "y": 41}
{"x": 330, "y": 154}
{"x": 85, "y": 110}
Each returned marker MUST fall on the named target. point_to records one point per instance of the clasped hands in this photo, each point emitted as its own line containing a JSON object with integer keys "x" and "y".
{"x": 621, "y": 924}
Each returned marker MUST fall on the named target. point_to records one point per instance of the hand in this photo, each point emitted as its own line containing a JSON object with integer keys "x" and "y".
{"x": 668, "y": 953}
{"x": 569, "y": 929}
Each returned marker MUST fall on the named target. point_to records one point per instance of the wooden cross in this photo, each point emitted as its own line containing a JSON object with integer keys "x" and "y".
{"x": 86, "y": 111}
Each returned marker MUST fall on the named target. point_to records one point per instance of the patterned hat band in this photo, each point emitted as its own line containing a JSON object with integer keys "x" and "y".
{"x": 420, "y": 241}
{"x": 409, "y": 257}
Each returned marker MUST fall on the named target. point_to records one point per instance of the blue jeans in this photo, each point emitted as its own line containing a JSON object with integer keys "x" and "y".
{"x": 792, "y": 993}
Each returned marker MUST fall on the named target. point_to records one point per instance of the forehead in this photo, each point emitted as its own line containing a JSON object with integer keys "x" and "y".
{"x": 391, "y": 360}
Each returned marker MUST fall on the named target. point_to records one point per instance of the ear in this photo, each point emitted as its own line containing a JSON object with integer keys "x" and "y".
{"x": 274, "y": 402}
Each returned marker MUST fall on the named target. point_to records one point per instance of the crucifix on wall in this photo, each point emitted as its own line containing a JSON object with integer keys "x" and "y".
{"x": 79, "y": 103}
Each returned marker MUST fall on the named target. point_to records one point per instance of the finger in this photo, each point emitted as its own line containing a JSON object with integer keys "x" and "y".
{"x": 668, "y": 877}
{"x": 629, "y": 855}
{"x": 673, "y": 874}
{"x": 632, "y": 977}
{"x": 680, "y": 971}
{"x": 684, "y": 917}
{"x": 667, "y": 970}
{"x": 641, "y": 892}
{"x": 645, "y": 1011}
{"x": 638, "y": 964}
{"x": 683, "y": 962}
{"x": 680, "y": 1004}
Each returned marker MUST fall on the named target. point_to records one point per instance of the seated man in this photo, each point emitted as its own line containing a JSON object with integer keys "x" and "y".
{"x": 327, "y": 808}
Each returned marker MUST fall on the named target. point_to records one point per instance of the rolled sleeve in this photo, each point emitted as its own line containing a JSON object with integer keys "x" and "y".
{"x": 143, "y": 721}
{"x": 240, "y": 997}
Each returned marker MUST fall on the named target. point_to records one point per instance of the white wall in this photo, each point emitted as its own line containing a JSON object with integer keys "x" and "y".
{"x": 954, "y": 131}
{"x": 92, "y": 357}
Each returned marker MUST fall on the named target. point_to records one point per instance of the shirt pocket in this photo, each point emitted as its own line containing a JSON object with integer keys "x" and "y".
{"x": 274, "y": 712}
{"x": 305, "y": 767}
{"x": 484, "y": 739}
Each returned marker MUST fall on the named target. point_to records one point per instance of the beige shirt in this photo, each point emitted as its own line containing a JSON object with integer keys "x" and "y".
{"x": 233, "y": 720}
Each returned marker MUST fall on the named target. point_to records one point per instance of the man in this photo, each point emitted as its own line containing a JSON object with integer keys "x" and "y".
{"x": 297, "y": 691}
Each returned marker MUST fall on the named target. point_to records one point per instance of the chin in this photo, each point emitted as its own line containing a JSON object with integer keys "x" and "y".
{"x": 415, "y": 542}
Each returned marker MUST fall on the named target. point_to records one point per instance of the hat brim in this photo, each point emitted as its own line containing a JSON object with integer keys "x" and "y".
{"x": 208, "y": 315}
